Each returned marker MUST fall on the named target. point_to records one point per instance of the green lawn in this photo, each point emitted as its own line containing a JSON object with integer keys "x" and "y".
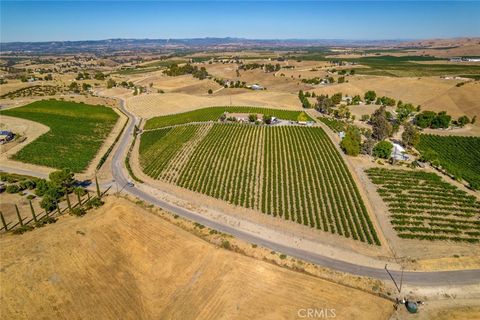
{"x": 77, "y": 131}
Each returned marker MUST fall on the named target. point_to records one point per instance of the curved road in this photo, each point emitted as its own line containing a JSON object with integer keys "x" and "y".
{"x": 459, "y": 277}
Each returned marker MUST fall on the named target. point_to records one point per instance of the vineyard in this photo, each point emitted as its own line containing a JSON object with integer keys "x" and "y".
{"x": 334, "y": 124}
{"x": 214, "y": 113}
{"x": 459, "y": 156}
{"x": 290, "y": 172}
{"x": 422, "y": 206}
{"x": 76, "y": 133}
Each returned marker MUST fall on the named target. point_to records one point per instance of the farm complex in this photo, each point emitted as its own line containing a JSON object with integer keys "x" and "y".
{"x": 210, "y": 178}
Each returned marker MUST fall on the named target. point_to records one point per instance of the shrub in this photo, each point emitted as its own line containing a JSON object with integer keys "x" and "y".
{"x": 94, "y": 203}
{"x": 78, "y": 211}
{"x": 351, "y": 142}
{"x": 370, "y": 96}
{"x": 12, "y": 188}
{"x": 46, "y": 220}
{"x": 22, "y": 229}
{"x": 27, "y": 184}
{"x": 226, "y": 244}
{"x": 48, "y": 203}
{"x": 80, "y": 191}
{"x": 365, "y": 117}
{"x": 383, "y": 149}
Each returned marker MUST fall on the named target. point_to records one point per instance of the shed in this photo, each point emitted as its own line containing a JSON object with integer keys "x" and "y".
{"x": 398, "y": 152}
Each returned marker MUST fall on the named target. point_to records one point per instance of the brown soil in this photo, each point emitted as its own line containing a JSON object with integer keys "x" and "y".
{"x": 123, "y": 262}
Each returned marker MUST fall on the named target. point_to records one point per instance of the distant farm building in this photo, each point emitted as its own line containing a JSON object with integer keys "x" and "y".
{"x": 256, "y": 87}
{"x": 464, "y": 59}
{"x": 241, "y": 117}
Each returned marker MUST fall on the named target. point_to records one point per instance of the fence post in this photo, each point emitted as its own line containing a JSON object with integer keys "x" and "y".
{"x": 68, "y": 203}
{"x": 98, "y": 188}
{"x": 3, "y": 221}
{"x": 19, "y": 216}
{"x": 33, "y": 211}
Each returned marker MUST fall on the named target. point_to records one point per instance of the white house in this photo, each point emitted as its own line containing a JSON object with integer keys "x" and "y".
{"x": 398, "y": 152}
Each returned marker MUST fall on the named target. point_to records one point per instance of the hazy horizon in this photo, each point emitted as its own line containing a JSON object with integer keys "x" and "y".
{"x": 44, "y": 21}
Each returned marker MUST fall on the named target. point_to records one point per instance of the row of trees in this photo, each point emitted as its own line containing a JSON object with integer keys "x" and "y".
{"x": 86, "y": 76}
{"x": 75, "y": 87}
{"x": 175, "y": 70}
{"x": 441, "y": 120}
{"x": 304, "y": 99}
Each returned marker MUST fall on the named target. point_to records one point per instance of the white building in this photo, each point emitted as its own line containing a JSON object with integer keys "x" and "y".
{"x": 398, "y": 152}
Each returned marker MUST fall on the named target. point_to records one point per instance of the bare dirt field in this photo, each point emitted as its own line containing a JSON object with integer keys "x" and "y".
{"x": 432, "y": 93}
{"x": 150, "y": 105}
{"x": 123, "y": 262}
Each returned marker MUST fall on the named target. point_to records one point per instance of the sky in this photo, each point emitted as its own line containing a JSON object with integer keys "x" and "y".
{"x": 354, "y": 20}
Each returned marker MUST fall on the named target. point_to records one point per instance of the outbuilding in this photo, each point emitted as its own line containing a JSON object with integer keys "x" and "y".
{"x": 398, "y": 152}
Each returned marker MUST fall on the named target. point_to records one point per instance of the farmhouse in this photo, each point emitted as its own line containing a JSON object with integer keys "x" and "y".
{"x": 398, "y": 152}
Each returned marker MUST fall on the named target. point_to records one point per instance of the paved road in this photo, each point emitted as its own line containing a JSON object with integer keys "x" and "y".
{"x": 443, "y": 278}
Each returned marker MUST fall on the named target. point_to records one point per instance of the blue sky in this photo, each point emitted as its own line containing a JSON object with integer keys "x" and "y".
{"x": 92, "y": 20}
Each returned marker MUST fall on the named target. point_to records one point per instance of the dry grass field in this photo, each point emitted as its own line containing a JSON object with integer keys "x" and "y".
{"x": 184, "y": 84}
{"x": 123, "y": 262}
{"x": 432, "y": 93}
{"x": 290, "y": 82}
{"x": 447, "y": 47}
{"x": 13, "y": 85}
{"x": 150, "y": 105}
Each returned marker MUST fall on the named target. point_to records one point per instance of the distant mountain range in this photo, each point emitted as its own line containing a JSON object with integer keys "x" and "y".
{"x": 179, "y": 44}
